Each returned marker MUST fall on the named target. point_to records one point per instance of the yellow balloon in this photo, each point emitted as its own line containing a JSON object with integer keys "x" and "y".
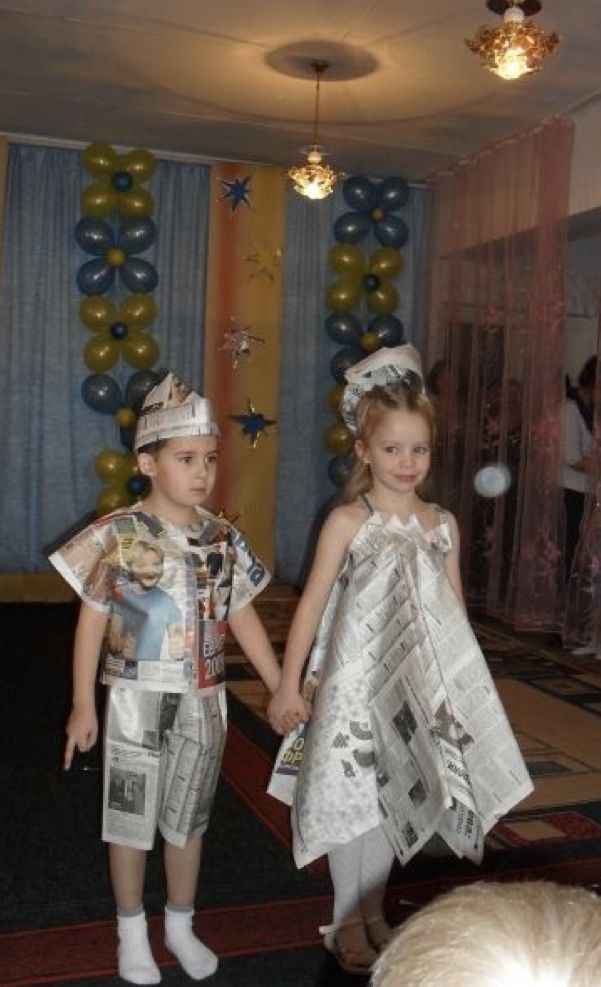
{"x": 101, "y": 353}
{"x": 110, "y": 499}
{"x": 384, "y": 299}
{"x": 335, "y": 397}
{"x": 100, "y": 159}
{"x": 342, "y": 296}
{"x": 96, "y": 312}
{"x": 347, "y": 259}
{"x": 98, "y": 200}
{"x": 338, "y": 439}
{"x": 126, "y": 418}
{"x": 115, "y": 257}
{"x": 138, "y": 311}
{"x": 140, "y": 163}
{"x": 387, "y": 262}
{"x": 370, "y": 341}
{"x": 112, "y": 467}
{"x": 132, "y": 463}
{"x": 140, "y": 350}
{"x": 136, "y": 202}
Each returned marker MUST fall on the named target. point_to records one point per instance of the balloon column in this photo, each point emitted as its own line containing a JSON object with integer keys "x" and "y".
{"x": 363, "y": 298}
{"x": 118, "y": 325}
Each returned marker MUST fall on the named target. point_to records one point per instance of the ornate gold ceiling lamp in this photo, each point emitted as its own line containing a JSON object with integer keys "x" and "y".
{"x": 519, "y": 46}
{"x": 315, "y": 179}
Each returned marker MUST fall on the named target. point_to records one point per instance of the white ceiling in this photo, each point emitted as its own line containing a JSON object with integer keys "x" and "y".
{"x": 204, "y": 77}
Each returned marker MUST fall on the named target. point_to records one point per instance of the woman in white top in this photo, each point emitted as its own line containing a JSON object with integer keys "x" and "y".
{"x": 577, "y": 479}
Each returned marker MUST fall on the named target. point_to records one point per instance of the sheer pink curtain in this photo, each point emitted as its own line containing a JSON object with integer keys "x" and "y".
{"x": 495, "y": 329}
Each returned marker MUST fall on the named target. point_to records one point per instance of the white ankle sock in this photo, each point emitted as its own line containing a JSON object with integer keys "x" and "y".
{"x": 197, "y": 959}
{"x": 136, "y": 962}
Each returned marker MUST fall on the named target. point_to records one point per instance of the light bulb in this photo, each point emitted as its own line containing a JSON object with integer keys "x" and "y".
{"x": 512, "y": 64}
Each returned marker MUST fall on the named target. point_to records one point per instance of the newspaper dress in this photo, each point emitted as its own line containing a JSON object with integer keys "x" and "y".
{"x": 408, "y": 731}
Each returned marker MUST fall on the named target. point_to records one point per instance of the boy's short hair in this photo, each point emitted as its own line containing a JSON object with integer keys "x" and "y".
{"x": 515, "y": 934}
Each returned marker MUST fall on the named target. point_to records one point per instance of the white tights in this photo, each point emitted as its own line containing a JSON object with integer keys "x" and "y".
{"x": 359, "y": 872}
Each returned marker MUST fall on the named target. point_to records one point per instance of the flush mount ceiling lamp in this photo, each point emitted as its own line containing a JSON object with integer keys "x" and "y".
{"x": 519, "y": 46}
{"x": 315, "y": 179}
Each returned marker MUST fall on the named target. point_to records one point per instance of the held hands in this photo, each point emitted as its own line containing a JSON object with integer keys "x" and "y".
{"x": 82, "y": 732}
{"x": 287, "y": 709}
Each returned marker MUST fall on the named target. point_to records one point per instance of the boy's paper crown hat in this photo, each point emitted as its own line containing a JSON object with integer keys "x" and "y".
{"x": 172, "y": 411}
{"x": 388, "y": 365}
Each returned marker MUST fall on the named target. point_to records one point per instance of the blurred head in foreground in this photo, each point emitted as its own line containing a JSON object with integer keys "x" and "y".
{"x": 530, "y": 934}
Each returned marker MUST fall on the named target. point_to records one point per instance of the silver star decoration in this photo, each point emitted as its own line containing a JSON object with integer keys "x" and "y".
{"x": 239, "y": 342}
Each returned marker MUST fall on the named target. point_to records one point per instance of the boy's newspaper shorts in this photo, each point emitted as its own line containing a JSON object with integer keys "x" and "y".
{"x": 162, "y": 755}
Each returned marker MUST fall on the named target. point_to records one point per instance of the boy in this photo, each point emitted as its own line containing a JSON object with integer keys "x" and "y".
{"x": 166, "y": 717}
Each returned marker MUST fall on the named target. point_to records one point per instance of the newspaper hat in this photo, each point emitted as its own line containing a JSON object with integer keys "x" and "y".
{"x": 171, "y": 411}
{"x": 388, "y": 365}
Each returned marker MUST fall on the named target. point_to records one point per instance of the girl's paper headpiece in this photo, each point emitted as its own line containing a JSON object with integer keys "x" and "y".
{"x": 172, "y": 411}
{"x": 388, "y": 365}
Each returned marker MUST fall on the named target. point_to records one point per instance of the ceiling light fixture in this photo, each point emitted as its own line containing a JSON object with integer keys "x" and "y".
{"x": 519, "y": 46}
{"x": 315, "y": 180}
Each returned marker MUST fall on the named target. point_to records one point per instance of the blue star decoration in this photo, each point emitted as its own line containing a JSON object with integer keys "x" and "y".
{"x": 253, "y": 423}
{"x": 237, "y": 192}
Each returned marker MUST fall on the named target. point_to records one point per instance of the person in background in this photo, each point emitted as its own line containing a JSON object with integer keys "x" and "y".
{"x": 577, "y": 480}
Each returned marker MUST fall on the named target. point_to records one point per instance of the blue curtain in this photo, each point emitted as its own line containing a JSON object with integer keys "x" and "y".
{"x": 304, "y": 489}
{"x": 49, "y": 437}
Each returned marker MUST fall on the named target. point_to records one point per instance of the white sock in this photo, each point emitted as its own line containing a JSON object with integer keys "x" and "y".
{"x": 135, "y": 959}
{"x": 196, "y": 959}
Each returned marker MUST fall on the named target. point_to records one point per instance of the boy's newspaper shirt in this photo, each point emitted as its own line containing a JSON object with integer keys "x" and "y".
{"x": 170, "y": 636}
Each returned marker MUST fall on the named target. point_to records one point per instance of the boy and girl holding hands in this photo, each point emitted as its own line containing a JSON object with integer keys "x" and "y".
{"x": 381, "y": 693}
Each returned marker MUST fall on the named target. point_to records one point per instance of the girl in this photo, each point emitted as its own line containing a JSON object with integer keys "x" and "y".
{"x": 408, "y": 737}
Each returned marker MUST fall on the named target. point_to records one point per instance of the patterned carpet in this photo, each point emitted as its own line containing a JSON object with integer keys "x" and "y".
{"x": 256, "y": 910}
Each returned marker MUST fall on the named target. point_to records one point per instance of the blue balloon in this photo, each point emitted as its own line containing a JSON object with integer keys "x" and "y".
{"x": 388, "y": 329}
{"x": 391, "y": 231}
{"x": 95, "y": 277}
{"x": 102, "y": 393}
{"x": 344, "y": 327}
{"x": 136, "y": 234}
{"x": 339, "y": 469}
{"x": 394, "y": 193}
{"x": 94, "y": 236}
{"x": 122, "y": 181}
{"x": 118, "y": 330}
{"x": 351, "y": 227}
{"x": 371, "y": 282}
{"x": 343, "y": 359}
{"x": 138, "y": 386}
{"x": 137, "y": 484}
{"x": 139, "y": 276}
{"x": 360, "y": 193}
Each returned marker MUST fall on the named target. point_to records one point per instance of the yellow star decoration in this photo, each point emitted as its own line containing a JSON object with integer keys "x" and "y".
{"x": 265, "y": 260}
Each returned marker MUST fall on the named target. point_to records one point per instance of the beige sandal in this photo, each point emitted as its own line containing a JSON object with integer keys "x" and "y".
{"x": 356, "y": 960}
{"x": 379, "y": 932}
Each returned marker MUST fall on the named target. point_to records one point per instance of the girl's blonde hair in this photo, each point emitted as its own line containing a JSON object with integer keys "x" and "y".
{"x": 370, "y": 409}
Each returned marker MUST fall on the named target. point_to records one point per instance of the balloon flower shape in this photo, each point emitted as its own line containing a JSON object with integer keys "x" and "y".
{"x": 119, "y": 470}
{"x": 374, "y": 208}
{"x": 360, "y": 276}
{"x": 119, "y": 332}
{"x": 116, "y": 255}
{"x": 118, "y": 187}
{"x": 102, "y": 393}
